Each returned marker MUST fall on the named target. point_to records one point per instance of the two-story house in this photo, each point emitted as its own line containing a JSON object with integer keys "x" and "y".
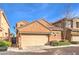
{"x": 4, "y": 27}
{"x": 71, "y": 28}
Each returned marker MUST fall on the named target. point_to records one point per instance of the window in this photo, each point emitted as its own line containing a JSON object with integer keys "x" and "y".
{"x": 68, "y": 24}
{"x": 77, "y": 24}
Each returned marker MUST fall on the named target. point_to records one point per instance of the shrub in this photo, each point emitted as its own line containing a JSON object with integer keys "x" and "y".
{"x": 5, "y": 43}
{"x": 63, "y": 43}
{"x": 59, "y": 43}
{"x": 74, "y": 42}
{"x": 54, "y": 43}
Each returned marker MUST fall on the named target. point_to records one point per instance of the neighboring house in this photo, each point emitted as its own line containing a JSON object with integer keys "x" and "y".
{"x": 21, "y": 23}
{"x": 37, "y": 33}
{"x": 71, "y": 28}
{"x": 4, "y": 27}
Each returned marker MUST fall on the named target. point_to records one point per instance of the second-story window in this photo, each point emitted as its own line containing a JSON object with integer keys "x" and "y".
{"x": 68, "y": 24}
{"x": 77, "y": 24}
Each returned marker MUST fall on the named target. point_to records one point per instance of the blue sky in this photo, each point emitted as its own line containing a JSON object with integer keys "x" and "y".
{"x": 33, "y": 11}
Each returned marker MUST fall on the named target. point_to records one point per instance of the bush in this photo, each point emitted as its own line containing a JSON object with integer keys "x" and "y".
{"x": 59, "y": 43}
{"x": 5, "y": 43}
{"x": 54, "y": 43}
{"x": 63, "y": 43}
{"x": 74, "y": 42}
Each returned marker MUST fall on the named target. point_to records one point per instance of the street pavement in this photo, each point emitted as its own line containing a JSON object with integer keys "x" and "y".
{"x": 42, "y": 51}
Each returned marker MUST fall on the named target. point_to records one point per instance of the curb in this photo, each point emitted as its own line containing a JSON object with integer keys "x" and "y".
{"x": 64, "y": 46}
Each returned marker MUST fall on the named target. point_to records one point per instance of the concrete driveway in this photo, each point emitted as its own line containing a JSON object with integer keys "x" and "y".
{"x": 43, "y": 50}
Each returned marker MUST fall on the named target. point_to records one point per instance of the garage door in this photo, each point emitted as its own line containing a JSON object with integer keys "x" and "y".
{"x": 33, "y": 40}
{"x": 75, "y": 38}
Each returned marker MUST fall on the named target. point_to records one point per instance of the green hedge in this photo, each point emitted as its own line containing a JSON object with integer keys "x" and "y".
{"x": 74, "y": 42}
{"x": 59, "y": 43}
{"x": 5, "y": 43}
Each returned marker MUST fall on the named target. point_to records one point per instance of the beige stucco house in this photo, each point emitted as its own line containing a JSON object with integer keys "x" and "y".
{"x": 36, "y": 33}
{"x": 4, "y": 26}
{"x": 71, "y": 28}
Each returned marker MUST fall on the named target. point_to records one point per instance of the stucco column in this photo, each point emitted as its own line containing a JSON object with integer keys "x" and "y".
{"x": 19, "y": 39}
{"x": 48, "y": 37}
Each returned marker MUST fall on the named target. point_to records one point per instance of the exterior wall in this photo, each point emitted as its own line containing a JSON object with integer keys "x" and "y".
{"x": 75, "y": 33}
{"x": 55, "y": 35}
{"x": 22, "y": 23}
{"x": 4, "y": 25}
{"x": 74, "y": 23}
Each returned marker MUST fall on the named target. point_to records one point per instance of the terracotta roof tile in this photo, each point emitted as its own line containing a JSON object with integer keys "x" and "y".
{"x": 44, "y": 22}
{"x": 60, "y": 20}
